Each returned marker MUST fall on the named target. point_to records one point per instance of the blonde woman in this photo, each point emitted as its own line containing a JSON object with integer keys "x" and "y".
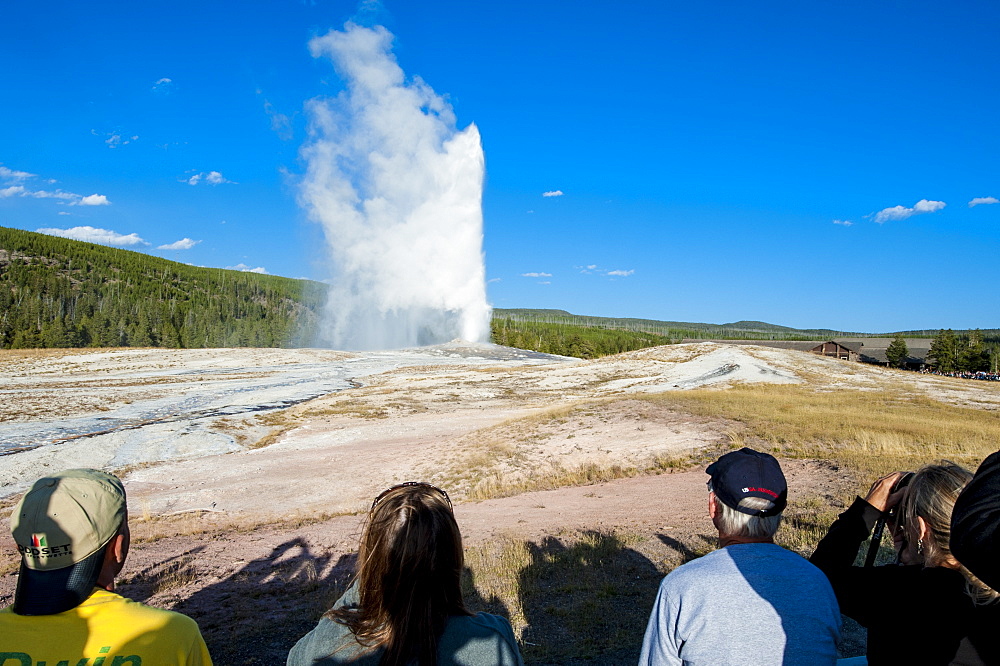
{"x": 405, "y": 607}
{"x": 925, "y": 609}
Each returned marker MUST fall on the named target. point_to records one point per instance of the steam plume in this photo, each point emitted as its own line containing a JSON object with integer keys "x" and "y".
{"x": 398, "y": 191}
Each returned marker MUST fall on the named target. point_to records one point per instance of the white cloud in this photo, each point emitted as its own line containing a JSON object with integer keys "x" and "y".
{"x": 246, "y": 269}
{"x": 845, "y": 223}
{"x": 492, "y": 280}
{"x": 15, "y": 188}
{"x": 58, "y": 194}
{"x": 116, "y": 138}
{"x": 163, "y": 86}
{"x": 94, "y": 235}
{"x": 212, "y": 178}
{"x": 11, "y": 174}
{"x": 553, "y": 193}
{"x": 925, "y": 206}
{"x": 69, "y": 197}
{"x": 182, "y": 244}
{"x": 536, "y": 275}
{"x": 975, "y": 202}
{"x": 280, "y": 123}
{"x": 94, "y": 200}
{"x": 594, "y": 269}
{"x": 901, "y": 212}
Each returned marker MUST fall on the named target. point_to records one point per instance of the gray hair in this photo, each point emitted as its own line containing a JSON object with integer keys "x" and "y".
{"x": 738, "y": 524}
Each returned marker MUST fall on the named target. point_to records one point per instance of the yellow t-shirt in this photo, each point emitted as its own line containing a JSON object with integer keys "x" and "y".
{"x": 105, "y": 630}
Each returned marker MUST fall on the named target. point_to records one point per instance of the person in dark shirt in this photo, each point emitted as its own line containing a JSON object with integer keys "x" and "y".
{"x": 975, "y": 523}
{"x": 928, "y": 608}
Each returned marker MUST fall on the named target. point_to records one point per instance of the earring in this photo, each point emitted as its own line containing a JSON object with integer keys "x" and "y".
{"x": 920, "y": 546}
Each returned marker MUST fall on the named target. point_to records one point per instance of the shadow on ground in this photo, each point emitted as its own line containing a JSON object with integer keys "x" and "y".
{"x": 255, "y": 615}
{"x": 585, "y": 598}
{"x": 587, "y": 601}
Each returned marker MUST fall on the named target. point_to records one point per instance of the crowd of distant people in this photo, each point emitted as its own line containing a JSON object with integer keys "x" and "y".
{"x": 966, "y": 374}
{"x": 748, "y": 602}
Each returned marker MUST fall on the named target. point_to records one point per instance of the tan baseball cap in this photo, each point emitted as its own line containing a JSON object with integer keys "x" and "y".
{"x": 61, "y": 527}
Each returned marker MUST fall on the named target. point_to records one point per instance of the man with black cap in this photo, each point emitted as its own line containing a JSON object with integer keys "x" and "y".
{"x": 751, "y": 601}
{"x": 71, "y": 529}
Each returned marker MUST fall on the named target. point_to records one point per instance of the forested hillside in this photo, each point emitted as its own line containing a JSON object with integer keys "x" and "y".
{"x": 677, "y": 330}
{"x": 56, "y": 292}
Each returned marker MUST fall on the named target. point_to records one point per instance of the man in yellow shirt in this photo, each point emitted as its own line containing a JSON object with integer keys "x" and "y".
{"x": 71, "y": 529}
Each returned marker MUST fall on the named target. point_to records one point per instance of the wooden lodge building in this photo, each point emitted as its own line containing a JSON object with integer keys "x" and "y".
{"x": 865, "y": 350}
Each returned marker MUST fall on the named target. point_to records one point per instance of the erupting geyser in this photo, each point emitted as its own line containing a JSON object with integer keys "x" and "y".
{"x": 398, "y": 190}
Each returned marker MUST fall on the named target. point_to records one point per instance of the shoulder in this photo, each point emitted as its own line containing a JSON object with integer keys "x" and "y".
{"x": 328, "y": 640}
{"x": 481, "y": 638}
{"x": 480, "y": 623}
{"x": 715, "y": 562}
{"x": 774, "y": 556}
{"x": 151, "y": 618}
{"x": 943, "y": 586}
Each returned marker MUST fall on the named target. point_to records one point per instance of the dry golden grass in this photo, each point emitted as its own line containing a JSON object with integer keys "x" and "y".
{"x": 871, "y": 432}
{"x": 495, "y": 484}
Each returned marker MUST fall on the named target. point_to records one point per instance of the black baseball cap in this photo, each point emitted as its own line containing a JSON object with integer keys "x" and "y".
{"x": 749, "y": 473}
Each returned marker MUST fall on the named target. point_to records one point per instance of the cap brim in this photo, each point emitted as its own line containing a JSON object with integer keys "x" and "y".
{"x": 58, "y": 590}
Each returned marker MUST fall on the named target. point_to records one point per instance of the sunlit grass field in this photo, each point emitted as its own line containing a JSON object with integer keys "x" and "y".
{"x": 869, "y": 432}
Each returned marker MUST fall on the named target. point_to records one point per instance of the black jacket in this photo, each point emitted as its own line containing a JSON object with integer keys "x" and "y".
{"x": 914, "y": 614}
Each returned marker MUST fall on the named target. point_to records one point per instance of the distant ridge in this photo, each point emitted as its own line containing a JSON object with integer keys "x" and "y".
{"x": 739, "y": 330}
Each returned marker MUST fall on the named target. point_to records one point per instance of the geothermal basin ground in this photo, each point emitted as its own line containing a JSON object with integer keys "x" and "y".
{"x": 249, "y": 470}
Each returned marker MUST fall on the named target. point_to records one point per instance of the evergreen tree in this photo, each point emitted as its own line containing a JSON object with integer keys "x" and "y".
{"x": 944, "y": 351}
{"x": 973, "y": 355}
{"x": 896, "y": 352}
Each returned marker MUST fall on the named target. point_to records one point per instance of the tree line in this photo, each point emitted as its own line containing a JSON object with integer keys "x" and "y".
{"x": 952, "y": 352}
{"x": 570, "y": 340}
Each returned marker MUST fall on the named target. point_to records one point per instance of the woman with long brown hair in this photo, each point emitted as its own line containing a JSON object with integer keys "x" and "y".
{"x": 405, "y": 606}
{"x": 927, "y": 608}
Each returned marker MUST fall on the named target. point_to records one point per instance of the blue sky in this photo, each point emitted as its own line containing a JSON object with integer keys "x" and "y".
{"x": 806, "y": 164}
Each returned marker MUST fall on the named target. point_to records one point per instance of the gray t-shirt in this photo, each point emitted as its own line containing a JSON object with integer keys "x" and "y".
{"x": 752, "y": 603}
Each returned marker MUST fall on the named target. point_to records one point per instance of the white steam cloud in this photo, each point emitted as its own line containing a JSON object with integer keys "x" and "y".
{"x": 398, "y": 191}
